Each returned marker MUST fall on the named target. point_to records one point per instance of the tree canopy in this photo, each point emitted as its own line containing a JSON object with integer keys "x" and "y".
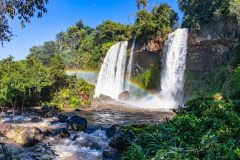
{"x": 141, "y": 4}
{"x": 156, "y": 23}
{"x": 198, "y": 12}
{"x": 22, "y": 9}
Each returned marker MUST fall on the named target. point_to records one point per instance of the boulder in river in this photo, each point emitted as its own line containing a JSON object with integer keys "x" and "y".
{"x": 61, "y": 133}
{"x": 36, "y": 119}
{"x": 110, "y": 153}
{"x": 104, "y": 97}
{"x": 26, "y": 136}
{"x": 114, "y": 129}
{"x": 124, "y": 95}
{"x": 30, "y": 136}
{"x": 63, "y": 118}
{"x": 77, "y": 123}
{"x": 5, "y": 128}
{"x": 45, "y": 109}
{"x": 119, "y": 141}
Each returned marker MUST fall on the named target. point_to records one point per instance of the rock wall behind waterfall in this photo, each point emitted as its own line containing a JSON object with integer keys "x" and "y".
{"x": 209, "y": 51}
{"x": 147, "y": 56}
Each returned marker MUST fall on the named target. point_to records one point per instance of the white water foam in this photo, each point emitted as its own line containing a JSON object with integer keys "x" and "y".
{"x": 174, "y": 65}
{"x": 129, "y": 67}
{"x": 111, "y": 76}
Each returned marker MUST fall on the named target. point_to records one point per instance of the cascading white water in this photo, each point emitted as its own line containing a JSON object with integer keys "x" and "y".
{"x": 111, "y": 76}
{"x": 111, "y": 80}
{"x": 174, "y": 64}
{"x": 129, "y": 68}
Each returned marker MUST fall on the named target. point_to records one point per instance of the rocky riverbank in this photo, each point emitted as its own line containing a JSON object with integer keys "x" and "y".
{"x": 94, "y": 133}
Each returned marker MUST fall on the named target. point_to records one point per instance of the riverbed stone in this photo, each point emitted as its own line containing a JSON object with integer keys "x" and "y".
{"x": 104, "y": 97}
{"x": 114, "y": 129}
{"x": 77, "y": 123}
{"x": 4, "y": 128}
{"x": 61, "y": 133}
{"x": 124, "y": 95}
{"x": 36, "y": 119}
{"x": 110, "y": 153}
{"x": 63, "y": 118}
{"x": 119, "y": 141}
{"x": 31, "y": 136}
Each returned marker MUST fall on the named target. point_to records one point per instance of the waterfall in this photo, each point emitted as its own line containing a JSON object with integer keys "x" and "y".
{"x": 111, "y": 76}
{"x": 130, "y": 63}
{"x": 115, "y": 72}
{"x": 174, "y": 64}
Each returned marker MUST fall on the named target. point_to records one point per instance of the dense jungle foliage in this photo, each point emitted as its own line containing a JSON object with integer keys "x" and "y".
{"x": 208, "y": 128}
{"x": 30, "y": 83}
{"x": 198, "y": 13}
{"x": 84, "y": 47}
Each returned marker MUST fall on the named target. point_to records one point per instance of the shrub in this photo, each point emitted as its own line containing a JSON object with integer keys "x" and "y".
{"x": 208, "y": 128}
{"x": 74, "y": 102}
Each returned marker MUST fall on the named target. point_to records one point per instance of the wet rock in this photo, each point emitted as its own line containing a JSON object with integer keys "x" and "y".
{"x": 25, "y": 136}
{"x": 36, "y": 119}
{"x": 48, "y": 112}
{"x": 110, "y": 153}
{"x": 114, "y": 129}
{"x": 119, "y": 141}
{"x": 104, "y": 97}
{"x": 75, "y": 137}
{"x": 77, "y": 110}
{"x": 61, "y": 133}
{"x": 124, "y": 95}
{"x": 45, "y": 109}
{"x": 5, "y": 128}
{"x": 31, "y": 136}
{"x": 47, "y": 133}
{"x": 63, "y": 118}
{"x": 77, "y": 123}
{"x": 5, "y": 154}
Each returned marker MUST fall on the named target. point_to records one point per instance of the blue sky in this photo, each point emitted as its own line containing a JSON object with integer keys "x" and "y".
{"x": 64, "y": 13}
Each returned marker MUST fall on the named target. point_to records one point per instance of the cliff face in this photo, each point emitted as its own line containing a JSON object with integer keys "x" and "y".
{"x": 212, "y": 46}
{"x": 209, "y": 50}
{"x": 147, "y": 62}
{"x": 147, "y": 55}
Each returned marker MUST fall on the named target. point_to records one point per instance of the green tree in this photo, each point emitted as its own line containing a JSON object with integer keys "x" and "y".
{"x": 57, "y": 74}
{"x": 142, "y": 4}
{"x": 157, "y": 23}
{"x": 110, "y": 31}
{"x": 24, "y": 10}
{"x": 60, "y": 41}
{"x": 45, "y": 52}
{"x": 197, "y": 12}
{"x": 234, "y": 86}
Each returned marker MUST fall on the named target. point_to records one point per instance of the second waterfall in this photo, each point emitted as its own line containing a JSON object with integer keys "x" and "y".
{"x": 111, "y": 80}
